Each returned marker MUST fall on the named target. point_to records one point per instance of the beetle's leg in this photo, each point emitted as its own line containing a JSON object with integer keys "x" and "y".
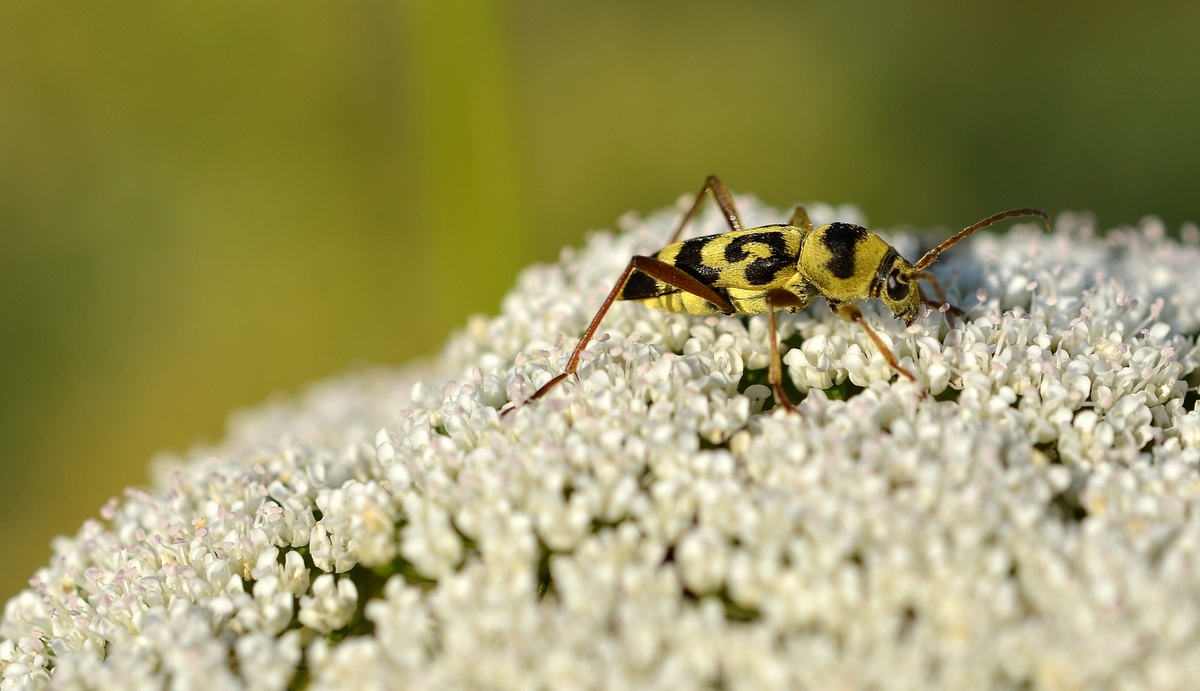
{"x": 654, "y": 268}
{"x": 937, "y": 289}
{"x": 779, "y": 299}
{"x": 799, "y": 219}
{"x": 937, "y": 305}
{"x": 852, "y": 313}
{"x": 724, "y": 200}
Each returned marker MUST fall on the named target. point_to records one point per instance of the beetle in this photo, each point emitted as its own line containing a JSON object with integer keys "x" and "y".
{"x": 778, "y": 267}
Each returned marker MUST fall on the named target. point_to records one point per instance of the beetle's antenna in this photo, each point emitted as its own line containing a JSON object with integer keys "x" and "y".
{"x": 932, "y": 255}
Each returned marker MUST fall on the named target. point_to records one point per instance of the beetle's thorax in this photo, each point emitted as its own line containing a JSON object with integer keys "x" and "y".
{"x": 842, "y": 260}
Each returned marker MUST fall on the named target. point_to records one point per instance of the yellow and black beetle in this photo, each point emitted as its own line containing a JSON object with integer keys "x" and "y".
{"x": 778, "y": 267}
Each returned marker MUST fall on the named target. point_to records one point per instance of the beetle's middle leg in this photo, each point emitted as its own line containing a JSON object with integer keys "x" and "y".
{"x": 777, "y": 300}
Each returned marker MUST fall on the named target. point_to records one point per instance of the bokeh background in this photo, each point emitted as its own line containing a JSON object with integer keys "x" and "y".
{"x": 202, "y": 204}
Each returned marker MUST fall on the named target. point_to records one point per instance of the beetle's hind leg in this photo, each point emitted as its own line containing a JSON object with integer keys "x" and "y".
{"x": 654, "y": 268}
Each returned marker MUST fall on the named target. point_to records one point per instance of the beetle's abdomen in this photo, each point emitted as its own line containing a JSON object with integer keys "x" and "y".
{"x": 756, "y": 260}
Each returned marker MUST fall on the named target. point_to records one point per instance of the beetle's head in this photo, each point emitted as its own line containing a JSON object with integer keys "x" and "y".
{"x": 896, "y": 285}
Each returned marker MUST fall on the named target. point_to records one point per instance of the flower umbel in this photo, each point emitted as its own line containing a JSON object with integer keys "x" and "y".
{"x": 1031, "y": 523}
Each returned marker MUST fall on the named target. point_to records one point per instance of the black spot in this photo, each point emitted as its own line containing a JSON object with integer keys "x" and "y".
{"x": 640, "y": 287}
{"x": 691, "y": 260}
{"x": 841, "y": 239}
{"x": 762, "y": 270}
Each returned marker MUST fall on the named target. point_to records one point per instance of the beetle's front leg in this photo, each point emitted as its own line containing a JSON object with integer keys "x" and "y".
{"x": 853, "y": 314}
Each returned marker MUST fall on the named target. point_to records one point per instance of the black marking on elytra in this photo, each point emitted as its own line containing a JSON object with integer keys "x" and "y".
{"x": 691, "y": 260}
{"x": 841, "y": 239}
{"x": 762, "y": 270}
{"x": 639, "y": 286}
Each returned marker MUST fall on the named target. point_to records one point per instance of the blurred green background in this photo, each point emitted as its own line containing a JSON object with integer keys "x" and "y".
{"x": 205, "y": 203}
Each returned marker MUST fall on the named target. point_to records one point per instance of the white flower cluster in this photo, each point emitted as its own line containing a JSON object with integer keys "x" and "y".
{"x": 1032, "y": 522}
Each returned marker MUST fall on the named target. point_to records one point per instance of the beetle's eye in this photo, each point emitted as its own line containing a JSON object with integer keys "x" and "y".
{"x": 896, "y": 289}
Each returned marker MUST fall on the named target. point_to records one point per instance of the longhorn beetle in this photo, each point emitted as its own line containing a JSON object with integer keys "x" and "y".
{"x": 778, "y": 267}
